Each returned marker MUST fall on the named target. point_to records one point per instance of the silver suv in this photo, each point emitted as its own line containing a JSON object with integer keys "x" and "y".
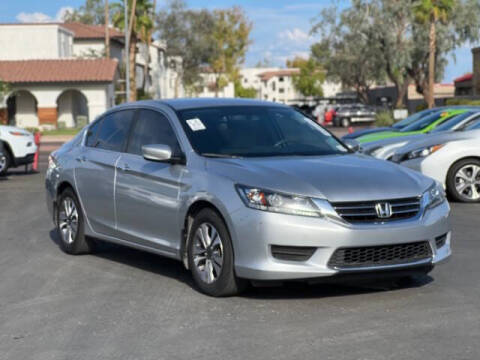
{"x": 243, "y": 189}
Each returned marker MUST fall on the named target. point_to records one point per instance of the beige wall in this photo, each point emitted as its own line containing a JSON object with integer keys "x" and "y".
{"x": 42, "y": 41}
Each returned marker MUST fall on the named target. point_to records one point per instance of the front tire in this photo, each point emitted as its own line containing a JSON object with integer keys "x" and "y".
{"x": 210, "y": 256}
{"x": 71, "y": 226}
{"x": 5, "y": 162}
{"x": 463, "y": 181}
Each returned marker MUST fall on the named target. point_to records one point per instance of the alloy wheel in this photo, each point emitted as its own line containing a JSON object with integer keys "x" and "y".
{"x": 208, "y": 252}
{"x": 3, "y": 162}
{"x": 68, "y": 220}
{"x": 467, "y": 182}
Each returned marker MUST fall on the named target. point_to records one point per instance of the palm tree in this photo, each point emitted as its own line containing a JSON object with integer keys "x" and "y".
{"x": 139, "y": 22}
{"x": 431, "y": 12}
{"x": 107, "y": 31}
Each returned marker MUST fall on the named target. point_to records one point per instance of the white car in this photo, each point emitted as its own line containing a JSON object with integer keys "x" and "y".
{"x": 17, "y": 147}
{"x": 451, "y": 158}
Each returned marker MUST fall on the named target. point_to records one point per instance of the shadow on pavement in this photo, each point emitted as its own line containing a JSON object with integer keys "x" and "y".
{"x": 288, "y": 290}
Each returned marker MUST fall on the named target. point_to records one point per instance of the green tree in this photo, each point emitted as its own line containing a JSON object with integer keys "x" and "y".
{"x": 243, "y": 92}
{"x": 92, "y": 13}
{"x": 4, "y": 89}
{"x": 187, "y": 34}
{"x": 346, "y": 52}
{"x": 309, "y": 81}
{"x": 140, "y": 23}
{"x": 231, "y": 38}
{"x": 431, "y": 12}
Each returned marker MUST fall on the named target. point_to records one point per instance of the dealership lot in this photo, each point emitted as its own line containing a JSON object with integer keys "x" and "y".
{"x": 125, "y": 304}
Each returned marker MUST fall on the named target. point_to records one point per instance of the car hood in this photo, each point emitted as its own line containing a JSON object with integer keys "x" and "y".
{"x": 337, "y": 178}
{"x": 385, "y": 146}
{"x": 437, "y": 139}
{"x": 364, "y": 132}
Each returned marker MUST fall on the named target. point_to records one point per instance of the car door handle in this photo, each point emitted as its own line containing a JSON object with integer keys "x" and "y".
{"x": 125, "y": 167}
{"x": 81, "y": 159}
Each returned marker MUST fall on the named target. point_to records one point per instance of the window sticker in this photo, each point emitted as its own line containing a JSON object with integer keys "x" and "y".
{"x": 196, "y": 124}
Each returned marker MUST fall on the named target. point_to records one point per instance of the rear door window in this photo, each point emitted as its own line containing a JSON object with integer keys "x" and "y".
{"x": 92, "y": 133}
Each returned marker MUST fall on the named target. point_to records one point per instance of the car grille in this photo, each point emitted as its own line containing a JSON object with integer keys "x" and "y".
{"x": 373, "y": 256}
{"x": 292, "y": 253}
{"x": 361, "y": 212}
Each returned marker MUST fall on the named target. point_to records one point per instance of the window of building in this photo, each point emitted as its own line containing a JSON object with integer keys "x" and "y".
{"x": 281, "y": 90}
{"x": 281, "y": 79}
{"x": 274, "y": 86}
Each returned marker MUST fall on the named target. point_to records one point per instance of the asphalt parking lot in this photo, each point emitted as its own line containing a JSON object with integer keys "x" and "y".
{"x": 125, "y": 304}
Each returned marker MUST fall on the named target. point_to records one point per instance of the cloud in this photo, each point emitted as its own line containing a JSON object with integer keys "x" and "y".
{"x": 39, "y": 17}
{"x": 35, "y": 17}
{"x": 63, "y": 12}
{"x": 295, "y": 35}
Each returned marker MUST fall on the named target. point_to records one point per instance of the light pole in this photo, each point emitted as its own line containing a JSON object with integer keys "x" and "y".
{"x": 127, "y": 57}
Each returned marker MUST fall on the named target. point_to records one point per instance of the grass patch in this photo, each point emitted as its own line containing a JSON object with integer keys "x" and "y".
{"x": 57, "y": 132}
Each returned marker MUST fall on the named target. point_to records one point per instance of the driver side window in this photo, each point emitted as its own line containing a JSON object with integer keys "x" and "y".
{"x": 152, "y": 128}
{"x": 114, "y": 130}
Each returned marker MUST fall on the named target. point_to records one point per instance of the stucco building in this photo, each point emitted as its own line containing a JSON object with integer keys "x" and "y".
{"x": 58, "y": 75}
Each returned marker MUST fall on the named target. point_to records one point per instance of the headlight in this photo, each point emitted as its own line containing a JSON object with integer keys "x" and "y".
{"x": 282, "y": 203}
{"x": 52, "y": 163}
{"x": 423, "y": 152}
{"x": 434, "y": 196}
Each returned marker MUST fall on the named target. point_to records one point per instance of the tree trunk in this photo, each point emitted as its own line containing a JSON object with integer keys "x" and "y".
{"x": 402, "y": 89}
{"x": 107, "y": 31}
{"x": 431, "y": 66}
{"x": 131, "y": 62}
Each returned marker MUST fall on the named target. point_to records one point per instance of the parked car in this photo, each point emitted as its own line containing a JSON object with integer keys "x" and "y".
{"x": 356, "y": 113}
{"x": 452, "y": 158}
{"x": 18, "y": 147}
{"x": 422, "y": 126}
{"x": 243, "y": 189}
{"x": 395, "y": 127}
{"x": 384, "y": 149}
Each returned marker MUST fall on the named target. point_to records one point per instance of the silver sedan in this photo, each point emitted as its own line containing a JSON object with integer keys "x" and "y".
{"x": 243, "y": 190}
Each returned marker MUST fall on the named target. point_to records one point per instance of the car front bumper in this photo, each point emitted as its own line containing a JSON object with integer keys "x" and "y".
{"x": 254, "y": 232}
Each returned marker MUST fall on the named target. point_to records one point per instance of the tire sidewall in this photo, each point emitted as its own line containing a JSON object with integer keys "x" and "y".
{"x": 8, "y": 161}
{"x": 77, "y": 244}
{"x": 452, "y": 191}
{"x": 227, "y": 275}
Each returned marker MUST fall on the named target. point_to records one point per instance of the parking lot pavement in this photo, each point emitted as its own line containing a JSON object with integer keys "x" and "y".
{"x": 125, "y": 304}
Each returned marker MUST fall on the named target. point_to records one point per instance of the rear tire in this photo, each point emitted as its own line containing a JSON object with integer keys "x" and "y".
{"x": 71, "y": 226}
{"x": 462, "y": 184}
{"x": 210, "y": 256}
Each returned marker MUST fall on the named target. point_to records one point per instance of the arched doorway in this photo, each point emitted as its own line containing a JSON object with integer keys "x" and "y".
{"x": 22, "y": 109}
{"x": 72, "y": 109}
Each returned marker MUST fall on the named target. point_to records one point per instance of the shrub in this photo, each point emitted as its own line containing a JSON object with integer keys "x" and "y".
{"x": 384, "y": 118}
{"x": 457, "y": 101}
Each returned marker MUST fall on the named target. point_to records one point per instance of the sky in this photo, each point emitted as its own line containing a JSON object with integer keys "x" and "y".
{"x": 280, "y": 27}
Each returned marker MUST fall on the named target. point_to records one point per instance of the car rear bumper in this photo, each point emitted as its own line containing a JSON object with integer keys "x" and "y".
{"x": 255, "y": 234}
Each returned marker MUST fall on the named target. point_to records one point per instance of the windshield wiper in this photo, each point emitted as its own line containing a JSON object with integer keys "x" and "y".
{"x": 221, "y": 156}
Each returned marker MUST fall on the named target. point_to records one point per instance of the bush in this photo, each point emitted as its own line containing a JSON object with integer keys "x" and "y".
{"x": 384, "y": 118}
{"x": 420, "y": 107}
{"x": 456, "y": 101}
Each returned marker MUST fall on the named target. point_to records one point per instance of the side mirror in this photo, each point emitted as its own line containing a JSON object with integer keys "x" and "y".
{"x": 353, "y": 145}
{"x": 161, "y": 153}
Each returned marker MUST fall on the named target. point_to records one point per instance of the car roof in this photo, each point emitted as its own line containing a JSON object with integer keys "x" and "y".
{"x": 196, "y": 103}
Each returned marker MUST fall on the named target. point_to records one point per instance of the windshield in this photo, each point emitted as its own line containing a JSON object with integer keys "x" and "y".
{"x": 452, "y": 122}
{"x": 251, "y": 131}
{"x": 423, "y": 123}
{"x": 475, "y": 125}
{"x": 412, "y": 118}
